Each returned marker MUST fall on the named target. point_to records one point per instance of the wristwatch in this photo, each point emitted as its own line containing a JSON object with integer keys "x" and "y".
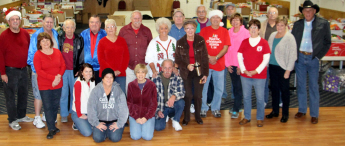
{"x": 217, "y": 57}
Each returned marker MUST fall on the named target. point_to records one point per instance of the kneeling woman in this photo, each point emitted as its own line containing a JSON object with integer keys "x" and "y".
{"x": 81, "y": 93}
{"x": 107, "y": 109}
{"x": 142, "y": 105}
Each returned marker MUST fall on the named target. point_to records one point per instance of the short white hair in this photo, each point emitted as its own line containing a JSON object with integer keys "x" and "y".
{"x": 268, "y": 10}
{"x": 136, "y": 11}
{"x": 200, "y": 6}
{"x": 161, "y": 21}
{"x": 69, "y": 20}
{"x": 110, "y": 21}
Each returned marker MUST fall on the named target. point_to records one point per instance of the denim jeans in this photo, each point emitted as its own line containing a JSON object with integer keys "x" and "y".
{"x": 51, "y": 102}
{"x": 308, "y": 66}
{"x": 144, "y": 131}
{"x": 35, "y": 90}
{"x": 67, "y": 93}
{"x": 218, "y": 84}
{"x": 175, "y": 112}
{"x": 267, "y": 90}
{"x": 82, "y": 125}
{"x": 122, "y": 82}
{"x": 99, "y": 136}
{"x": 237, "y": 89}
{"x": 225, "y": 94}
{"x": 17, "y": 82}
{"x": 259, "y": 85}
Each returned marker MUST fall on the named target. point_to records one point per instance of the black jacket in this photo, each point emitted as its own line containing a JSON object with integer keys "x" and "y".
{"x": 321, "y": 36}
{"x": 78, "y": 50}
{"x": 225, "y": 23}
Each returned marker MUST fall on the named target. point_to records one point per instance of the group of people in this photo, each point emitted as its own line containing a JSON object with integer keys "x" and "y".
{"x": 103, "y": 79}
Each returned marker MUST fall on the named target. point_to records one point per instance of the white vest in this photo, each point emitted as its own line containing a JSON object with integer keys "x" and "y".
{"x": 85, "y": 93}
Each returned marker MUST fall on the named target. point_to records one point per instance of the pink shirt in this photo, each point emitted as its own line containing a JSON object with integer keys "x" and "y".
{"x": 236, "y": 40}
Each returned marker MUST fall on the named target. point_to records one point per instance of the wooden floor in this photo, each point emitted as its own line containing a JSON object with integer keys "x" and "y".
{"x": 216, "y": 131}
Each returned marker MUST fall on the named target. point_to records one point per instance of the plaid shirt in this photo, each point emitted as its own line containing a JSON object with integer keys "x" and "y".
{"x": 175, "y": 86}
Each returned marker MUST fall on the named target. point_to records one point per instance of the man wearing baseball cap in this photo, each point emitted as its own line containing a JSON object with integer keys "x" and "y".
{"x": 177, "y": 30}
{"x": 14, "y": 45}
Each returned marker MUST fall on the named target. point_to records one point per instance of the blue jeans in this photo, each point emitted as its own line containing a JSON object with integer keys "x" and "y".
{"x": 267, "y": 90}
{"x": 225, "y": 94}
{"x": 218, "y": 84}
{"x": 82, "y": 125}
{"x": 99, "y": 136}
{"x": 67, "y": 92}
{"x": 50, "y": 100}
{"x": 175, "y": 112}
{"x": 237, "y": 89}
{"x": 35, "y": 90}
{"x": 308, "y": 66}
{"x": 259, "y": 85}
{"x": 122, "y": 82}
{"x": 144, "y": 131}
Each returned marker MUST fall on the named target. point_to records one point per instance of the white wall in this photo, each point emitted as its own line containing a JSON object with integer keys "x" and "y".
{"x": 338, "y": 5}
{"x": 4, "y": 2}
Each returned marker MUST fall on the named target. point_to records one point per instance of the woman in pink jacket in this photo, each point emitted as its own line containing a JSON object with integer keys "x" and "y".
{"x": 237, "y": 34}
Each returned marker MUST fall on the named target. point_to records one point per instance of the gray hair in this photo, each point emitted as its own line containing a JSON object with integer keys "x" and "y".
{"x": 110, "y": 21}
{"x": 161, "y": 21}
{"x": 200, "y": 6}
{"x": 272, "y": 8}
{"x": 172, "y": 62}
{"x": 136, "y": 11}
{"x": 69, "y": 20}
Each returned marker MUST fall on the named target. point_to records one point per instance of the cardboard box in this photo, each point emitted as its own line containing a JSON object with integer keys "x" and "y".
{"x": 283, "y": 11}
{"x": 69, "y": 12}
{"x": 245, "y": 11}
{"x": 119, "y": 19}
{"x": 61, "y": 17}
{"x": 29, "y": 8}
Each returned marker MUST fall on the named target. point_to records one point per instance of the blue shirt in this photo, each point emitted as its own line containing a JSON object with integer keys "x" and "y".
{"x": 176, "y": 33}
{"x": 306, "y": 43}
{"x": 273, "y": 60}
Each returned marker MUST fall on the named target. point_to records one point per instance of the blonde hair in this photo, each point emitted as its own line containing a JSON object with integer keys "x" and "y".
{"x": 140, "y": 66}
{"x": 284, "y": 20}
{"x": 110, "y": 21}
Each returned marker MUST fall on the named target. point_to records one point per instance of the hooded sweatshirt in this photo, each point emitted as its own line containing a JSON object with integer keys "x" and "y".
{"x": 99, "y": 108}
{"x": 236, "y": 41}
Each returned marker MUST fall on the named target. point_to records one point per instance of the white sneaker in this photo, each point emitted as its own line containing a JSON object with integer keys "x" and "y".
{"x": 25, "y": 119}
{"x": 192, "y": 109}
{"x": 44, "y": 117}
{"x": 280, "y": 104}
{"x": 15, "y": 126}
{"x": 38, "y": 122}
{"x": 176, "y": 125}
{"x": 265, "y": 104}
{"x": 167, "y": 120}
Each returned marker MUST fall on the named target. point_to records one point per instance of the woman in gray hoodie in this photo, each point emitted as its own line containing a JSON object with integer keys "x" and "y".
{"x": 107, "y": 109}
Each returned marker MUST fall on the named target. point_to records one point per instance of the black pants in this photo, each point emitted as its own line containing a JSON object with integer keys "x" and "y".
{"x": 51, "y": 103}
{"x": 237, "y": 85}
{"x": 97, "y": 78}
{"x": 193, "y": 81}
{"x": 17, "y": 82}
{"x": 279, "y": 85}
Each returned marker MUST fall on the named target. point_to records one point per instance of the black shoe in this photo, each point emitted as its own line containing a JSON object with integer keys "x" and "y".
{"x": 50, "y": 134}
{"x": 284, "y": 119}
{"x": 56, "y": 131}
{"x": 184, "y": 123}
{"x": 271, "y": 115}
{"x": 200, "y": 122}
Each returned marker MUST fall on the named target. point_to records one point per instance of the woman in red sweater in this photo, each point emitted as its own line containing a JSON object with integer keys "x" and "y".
{"x": 113, "y": 53}
{"x": 81, "y": 92}
{"x": 50, "y": 66}
{"x": 142, "y": 105}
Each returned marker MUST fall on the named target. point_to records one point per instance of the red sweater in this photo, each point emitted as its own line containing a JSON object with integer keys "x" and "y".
{"x": 47, "y": 67}
{"x": 142, "y": 103}
{"x": 13, "y": 49}
{"x": 113, "y": 55}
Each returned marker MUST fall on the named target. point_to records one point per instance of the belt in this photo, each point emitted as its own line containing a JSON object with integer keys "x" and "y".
{"x": 306, "y": 53}
{"x": 16, "y": 67}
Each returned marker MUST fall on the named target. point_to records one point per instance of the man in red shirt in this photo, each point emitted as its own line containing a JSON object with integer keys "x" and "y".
{"x": 137, "y": 37}
{"x": 217, "y": 43}
{"x": 14, "y": 45}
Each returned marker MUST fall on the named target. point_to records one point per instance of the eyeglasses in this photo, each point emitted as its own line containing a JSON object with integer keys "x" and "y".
{"x": 272, "y": 13}
{"x": 110, "y": 27}
{"x": 253, "y": 27}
